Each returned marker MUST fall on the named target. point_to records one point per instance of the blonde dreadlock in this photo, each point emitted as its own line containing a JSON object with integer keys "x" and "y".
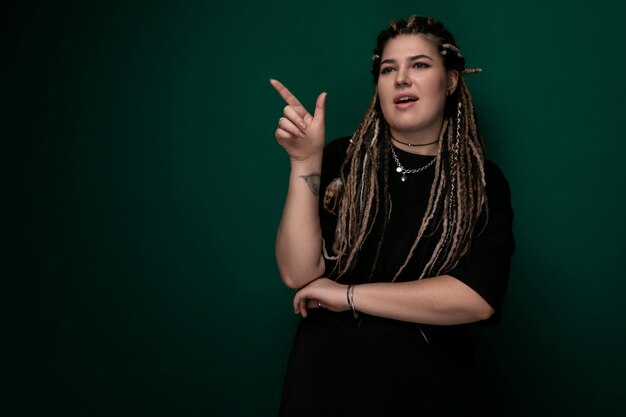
{"x": 457, "y": 195}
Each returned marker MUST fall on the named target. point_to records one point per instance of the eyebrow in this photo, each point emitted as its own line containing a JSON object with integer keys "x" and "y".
{"x": 412, "y": 58}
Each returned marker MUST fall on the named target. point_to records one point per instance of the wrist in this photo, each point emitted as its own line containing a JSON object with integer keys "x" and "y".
{"x": 309, "y": 174}
{"x": 350, "y": 300}
{"x": 313, "y": 162}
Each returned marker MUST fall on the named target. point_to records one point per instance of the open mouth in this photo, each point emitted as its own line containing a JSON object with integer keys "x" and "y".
{"x": 403, "y": 99}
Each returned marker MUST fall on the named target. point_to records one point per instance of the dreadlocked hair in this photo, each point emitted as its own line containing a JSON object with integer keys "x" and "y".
{"x": 457, "y": 195}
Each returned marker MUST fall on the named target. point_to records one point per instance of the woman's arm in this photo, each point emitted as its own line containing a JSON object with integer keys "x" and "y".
{"x": 299, "y": 237}
{"x": 438, "y": 300}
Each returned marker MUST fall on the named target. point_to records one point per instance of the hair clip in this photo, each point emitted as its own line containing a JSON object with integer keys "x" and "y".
{"x": 447, "y": 46}
{"x": 375, "y": 57}
{"x": 472, "y": 70}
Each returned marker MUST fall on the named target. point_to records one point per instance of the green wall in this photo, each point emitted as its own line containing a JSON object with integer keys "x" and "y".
{"x": 142, "y": 187}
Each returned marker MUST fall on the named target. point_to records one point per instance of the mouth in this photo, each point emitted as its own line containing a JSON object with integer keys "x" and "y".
{"x": 404, "y": 100}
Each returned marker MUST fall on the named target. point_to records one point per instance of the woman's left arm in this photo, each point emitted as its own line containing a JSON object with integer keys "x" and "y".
{"x": 440, "y": 300}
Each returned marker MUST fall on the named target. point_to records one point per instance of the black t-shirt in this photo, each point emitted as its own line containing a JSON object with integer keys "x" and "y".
{"x": 485, "y": 268}
{"x": 371, "y": 366}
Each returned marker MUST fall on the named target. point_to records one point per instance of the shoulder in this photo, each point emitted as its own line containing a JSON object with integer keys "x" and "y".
{"x": 334, "y": 155}
{"x": 337, "y": 146}
{"x": 495, "y": 179}
{"x": 497, "y": 186}
{"x": 494, "y": 174}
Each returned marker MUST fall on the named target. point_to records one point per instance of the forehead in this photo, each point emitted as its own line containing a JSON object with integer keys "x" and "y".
{"x": 403, "y": 46}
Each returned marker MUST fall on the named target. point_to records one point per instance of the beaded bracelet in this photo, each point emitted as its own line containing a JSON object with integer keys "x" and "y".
{"x": 350, "y": 296}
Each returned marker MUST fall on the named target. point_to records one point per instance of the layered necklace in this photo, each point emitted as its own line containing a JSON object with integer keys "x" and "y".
{"x": 402, "y": 170}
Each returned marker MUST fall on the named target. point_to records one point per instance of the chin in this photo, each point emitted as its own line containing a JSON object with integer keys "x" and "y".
{"x": 408, "y": 127}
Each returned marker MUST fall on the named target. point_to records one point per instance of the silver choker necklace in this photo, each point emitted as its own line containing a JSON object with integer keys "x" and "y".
{"x": 405, "y": 171}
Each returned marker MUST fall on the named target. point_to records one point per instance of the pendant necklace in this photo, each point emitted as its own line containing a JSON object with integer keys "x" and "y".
{"x": 405, "y": 171}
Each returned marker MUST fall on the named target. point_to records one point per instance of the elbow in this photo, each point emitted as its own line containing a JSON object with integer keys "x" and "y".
{"x": 483, "y": 312}
{"x": 474, "y": 311}
{"x": 298, "y": 279}
{"x": 290, "y": 282}
{"x": 296, "y": 282}
{"x": 288, "y": 278}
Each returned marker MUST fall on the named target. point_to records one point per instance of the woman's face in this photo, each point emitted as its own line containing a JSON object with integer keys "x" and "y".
{"x": 412, "y": 87}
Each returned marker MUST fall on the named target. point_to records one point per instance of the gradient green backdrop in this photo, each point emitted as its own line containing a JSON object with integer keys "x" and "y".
{"x": 142, "y": 187}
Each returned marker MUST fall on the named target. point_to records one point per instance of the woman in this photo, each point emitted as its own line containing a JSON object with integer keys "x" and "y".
{"x": 410, "y": 243}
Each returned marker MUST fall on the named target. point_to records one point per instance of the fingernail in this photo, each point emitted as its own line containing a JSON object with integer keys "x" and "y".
{"x": 302, "y": 135}
{"x": 302, "y": 125}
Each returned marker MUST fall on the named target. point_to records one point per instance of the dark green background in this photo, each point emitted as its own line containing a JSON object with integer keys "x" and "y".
{"x": 142, "y": 187}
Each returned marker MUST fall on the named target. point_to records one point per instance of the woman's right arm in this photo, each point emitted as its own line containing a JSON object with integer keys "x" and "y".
{"x": 299, "y": 238}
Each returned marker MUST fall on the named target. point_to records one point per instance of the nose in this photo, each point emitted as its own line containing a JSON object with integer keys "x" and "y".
{"x": 402, "y": 78}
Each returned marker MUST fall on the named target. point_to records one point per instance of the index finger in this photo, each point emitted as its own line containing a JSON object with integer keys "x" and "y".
{"x": 289, "y": 97}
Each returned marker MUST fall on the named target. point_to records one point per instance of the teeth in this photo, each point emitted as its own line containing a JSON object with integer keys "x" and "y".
{"x": 406, "y": 99}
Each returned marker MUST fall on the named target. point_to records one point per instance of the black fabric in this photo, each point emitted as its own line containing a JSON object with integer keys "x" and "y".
{"x": 372, "y": 366}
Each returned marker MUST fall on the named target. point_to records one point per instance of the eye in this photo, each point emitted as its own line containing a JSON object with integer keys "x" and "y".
{"x": 421, "y": 65}
{"x": 386, "y": 70}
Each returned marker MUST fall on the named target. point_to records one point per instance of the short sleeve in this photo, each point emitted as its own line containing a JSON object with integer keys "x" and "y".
{"x": 485, "y": 268}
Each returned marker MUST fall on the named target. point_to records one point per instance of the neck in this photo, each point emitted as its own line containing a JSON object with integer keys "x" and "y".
{"x": 419, "y": 144}
{"x": 430, "y": 150}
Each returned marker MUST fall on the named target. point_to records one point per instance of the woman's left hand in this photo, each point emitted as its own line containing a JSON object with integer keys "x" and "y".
{"x": 321, "y": 293}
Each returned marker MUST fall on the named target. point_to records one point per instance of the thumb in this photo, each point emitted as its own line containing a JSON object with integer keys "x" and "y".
{"x": 320, "y": 108}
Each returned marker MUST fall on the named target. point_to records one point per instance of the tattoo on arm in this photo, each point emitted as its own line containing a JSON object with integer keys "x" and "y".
{"x": 313, "y": 181}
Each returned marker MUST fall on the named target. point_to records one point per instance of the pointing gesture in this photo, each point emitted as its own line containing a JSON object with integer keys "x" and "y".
{"x": 301, "y": 134}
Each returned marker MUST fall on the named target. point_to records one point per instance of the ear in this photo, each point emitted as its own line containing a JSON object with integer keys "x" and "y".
{"x": 453, "y": 81}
